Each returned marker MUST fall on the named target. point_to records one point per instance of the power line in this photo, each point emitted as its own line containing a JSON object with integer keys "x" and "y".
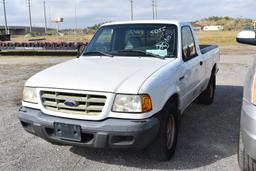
{"x": 5, "y": 19}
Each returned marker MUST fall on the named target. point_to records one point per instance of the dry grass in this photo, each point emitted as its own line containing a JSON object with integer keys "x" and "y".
{"x": 221, "y": 38}
{"x": 226, "y": 40}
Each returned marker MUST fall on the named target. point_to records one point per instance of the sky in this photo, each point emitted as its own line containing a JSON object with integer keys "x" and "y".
{"x": 83, "y": 13}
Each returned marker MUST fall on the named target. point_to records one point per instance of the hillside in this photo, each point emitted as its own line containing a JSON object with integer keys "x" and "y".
{"x": 229, "y": 23}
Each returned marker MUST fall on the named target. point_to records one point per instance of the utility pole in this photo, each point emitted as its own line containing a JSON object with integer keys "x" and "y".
{"x": 5, "y": 19}
{"x": 153, "y": 8}
{"x": 45, "y": 20}
{"x": 75, "y": 19}
{"x": 156, "y": 9}
{"x": 30, "y": 21}
{"x": 132, "y": 10}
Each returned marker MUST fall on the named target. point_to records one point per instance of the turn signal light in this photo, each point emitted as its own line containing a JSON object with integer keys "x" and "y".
{"x": 254, "y": 91}
{"x": 146, "y": 103}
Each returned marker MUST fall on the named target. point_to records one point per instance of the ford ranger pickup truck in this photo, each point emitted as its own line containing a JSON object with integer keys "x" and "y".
{"x": 127, "y": 89}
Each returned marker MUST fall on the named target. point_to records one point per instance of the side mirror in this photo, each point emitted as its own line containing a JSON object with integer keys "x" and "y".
{"x": 246, "y": 37}
{"x": 80, "y": 49}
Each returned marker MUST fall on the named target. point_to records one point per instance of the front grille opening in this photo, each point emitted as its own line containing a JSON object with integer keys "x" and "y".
{"x": 72, "y": 94}
{"x": 74, "y": 110}
{"x": 49, "y": 131}
{"x": 122, "y": 139}
{"x": 86, "y": 137}
{"x": 95, "y": 104}
{"x": 96, "y": 96}
{"x": 28, "y": 127}
{"x": 24, "y": 124}
{"x": 52, "y": 100}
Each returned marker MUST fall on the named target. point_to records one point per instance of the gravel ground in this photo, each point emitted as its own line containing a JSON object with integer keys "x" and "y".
{"x": 207, "y": 140}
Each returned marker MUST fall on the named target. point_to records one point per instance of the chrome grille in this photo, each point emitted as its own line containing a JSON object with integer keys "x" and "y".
{"x": 86, "y": 104}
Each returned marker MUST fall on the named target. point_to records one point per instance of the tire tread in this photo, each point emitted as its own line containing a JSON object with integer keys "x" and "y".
{"x": 205, "y": 97}
{"x": 156, "y": 150}
{"x": 246, "y": 163}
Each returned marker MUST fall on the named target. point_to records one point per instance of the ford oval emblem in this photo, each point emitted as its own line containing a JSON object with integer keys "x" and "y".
{"x": 71, "y": 103}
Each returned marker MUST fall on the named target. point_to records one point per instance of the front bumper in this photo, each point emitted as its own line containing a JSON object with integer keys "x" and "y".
{"x": 248, "y": 128}
{"x": 109, "y": 133}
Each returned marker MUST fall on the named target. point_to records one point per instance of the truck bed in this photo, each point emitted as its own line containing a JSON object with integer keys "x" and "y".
{"x": 206, "y": 48}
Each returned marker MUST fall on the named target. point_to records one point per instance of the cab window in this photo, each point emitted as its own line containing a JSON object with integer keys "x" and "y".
{"x": 188, "y": 44}
{"x": 103, "y": 43}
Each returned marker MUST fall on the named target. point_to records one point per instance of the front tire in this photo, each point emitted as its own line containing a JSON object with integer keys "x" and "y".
{"x": 163, "y": 148}
{"x": 246, "y": 163}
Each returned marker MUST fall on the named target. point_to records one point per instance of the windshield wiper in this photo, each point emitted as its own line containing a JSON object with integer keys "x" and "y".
{"x": 142, "y": 52}
{"x": 97, "y": 53}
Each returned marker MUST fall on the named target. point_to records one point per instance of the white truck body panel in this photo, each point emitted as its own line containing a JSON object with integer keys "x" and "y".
{"x": 100, "y": 74}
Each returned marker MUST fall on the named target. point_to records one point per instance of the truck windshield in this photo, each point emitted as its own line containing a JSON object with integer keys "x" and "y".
{"x": 152, "y": 40}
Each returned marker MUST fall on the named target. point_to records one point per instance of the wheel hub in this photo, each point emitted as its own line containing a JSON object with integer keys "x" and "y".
{"x": 170, "y": 132}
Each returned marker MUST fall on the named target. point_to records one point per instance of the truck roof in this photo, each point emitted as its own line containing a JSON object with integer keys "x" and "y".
{"x": 176, "y": 22}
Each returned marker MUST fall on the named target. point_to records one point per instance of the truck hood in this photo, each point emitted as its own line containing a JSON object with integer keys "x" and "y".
{"x": 102, "y": 74}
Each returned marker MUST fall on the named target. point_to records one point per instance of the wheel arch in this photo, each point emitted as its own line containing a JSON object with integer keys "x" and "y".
{"x": 175, "y": 99}
{"x": 214, "y": 69}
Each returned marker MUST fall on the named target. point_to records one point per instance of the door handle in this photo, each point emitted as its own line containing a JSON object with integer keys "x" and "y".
{"x": 201, "y": 63}
{"x": 182, "y": 78}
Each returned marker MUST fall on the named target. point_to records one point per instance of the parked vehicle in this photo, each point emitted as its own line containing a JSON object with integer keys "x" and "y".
{"x": 128, "y": 88}
{"x": 5, "y": 37}
{"x": 247, "y": 137}
{"x": 247, "y": 37}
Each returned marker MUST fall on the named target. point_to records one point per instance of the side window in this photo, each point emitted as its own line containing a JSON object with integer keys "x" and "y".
{"x": 188, "y": 44}
{"x": 103, "y": 42}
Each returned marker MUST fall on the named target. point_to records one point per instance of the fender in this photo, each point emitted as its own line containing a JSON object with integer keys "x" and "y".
{"x": 162, "y": 86}
{"x": 172, "y": 91}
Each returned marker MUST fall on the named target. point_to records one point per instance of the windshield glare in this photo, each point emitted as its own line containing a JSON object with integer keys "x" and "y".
{"x": 135, "y": 40}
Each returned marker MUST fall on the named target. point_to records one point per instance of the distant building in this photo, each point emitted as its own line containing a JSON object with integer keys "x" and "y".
{"x": 197, "y": 28}
{"x": 14, "y": 30}
{"x": 22, "y": 30}
{"x": 213, "y": 28}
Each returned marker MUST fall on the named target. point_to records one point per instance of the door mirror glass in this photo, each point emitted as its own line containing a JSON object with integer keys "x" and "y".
{"x": 246, "y": 37}
{"x": 187, "y": 52}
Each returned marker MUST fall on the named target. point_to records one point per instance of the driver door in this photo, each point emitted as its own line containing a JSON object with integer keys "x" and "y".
{"x": 192, "y": 72}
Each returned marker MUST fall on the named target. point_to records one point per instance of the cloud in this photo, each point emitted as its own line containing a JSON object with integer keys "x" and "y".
{"x": 90, "y": 12}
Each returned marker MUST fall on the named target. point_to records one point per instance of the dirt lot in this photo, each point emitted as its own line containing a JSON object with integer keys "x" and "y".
{"x": 207, "y": 139}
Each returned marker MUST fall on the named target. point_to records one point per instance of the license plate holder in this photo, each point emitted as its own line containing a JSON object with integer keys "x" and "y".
{"x": 67, "y": 131}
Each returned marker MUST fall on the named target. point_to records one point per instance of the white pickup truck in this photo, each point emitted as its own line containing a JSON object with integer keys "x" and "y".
{"x": 127, "y": 89}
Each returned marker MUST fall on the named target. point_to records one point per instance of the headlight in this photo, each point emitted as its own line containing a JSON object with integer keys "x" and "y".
{"x": 132, "y": 103}
{"x": 29, "y": 95}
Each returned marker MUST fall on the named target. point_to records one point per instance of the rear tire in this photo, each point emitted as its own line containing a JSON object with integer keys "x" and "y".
{"x": 245, "y": 162}
{"x": 207, "y": 96}
{"x": 163, "y": 148}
